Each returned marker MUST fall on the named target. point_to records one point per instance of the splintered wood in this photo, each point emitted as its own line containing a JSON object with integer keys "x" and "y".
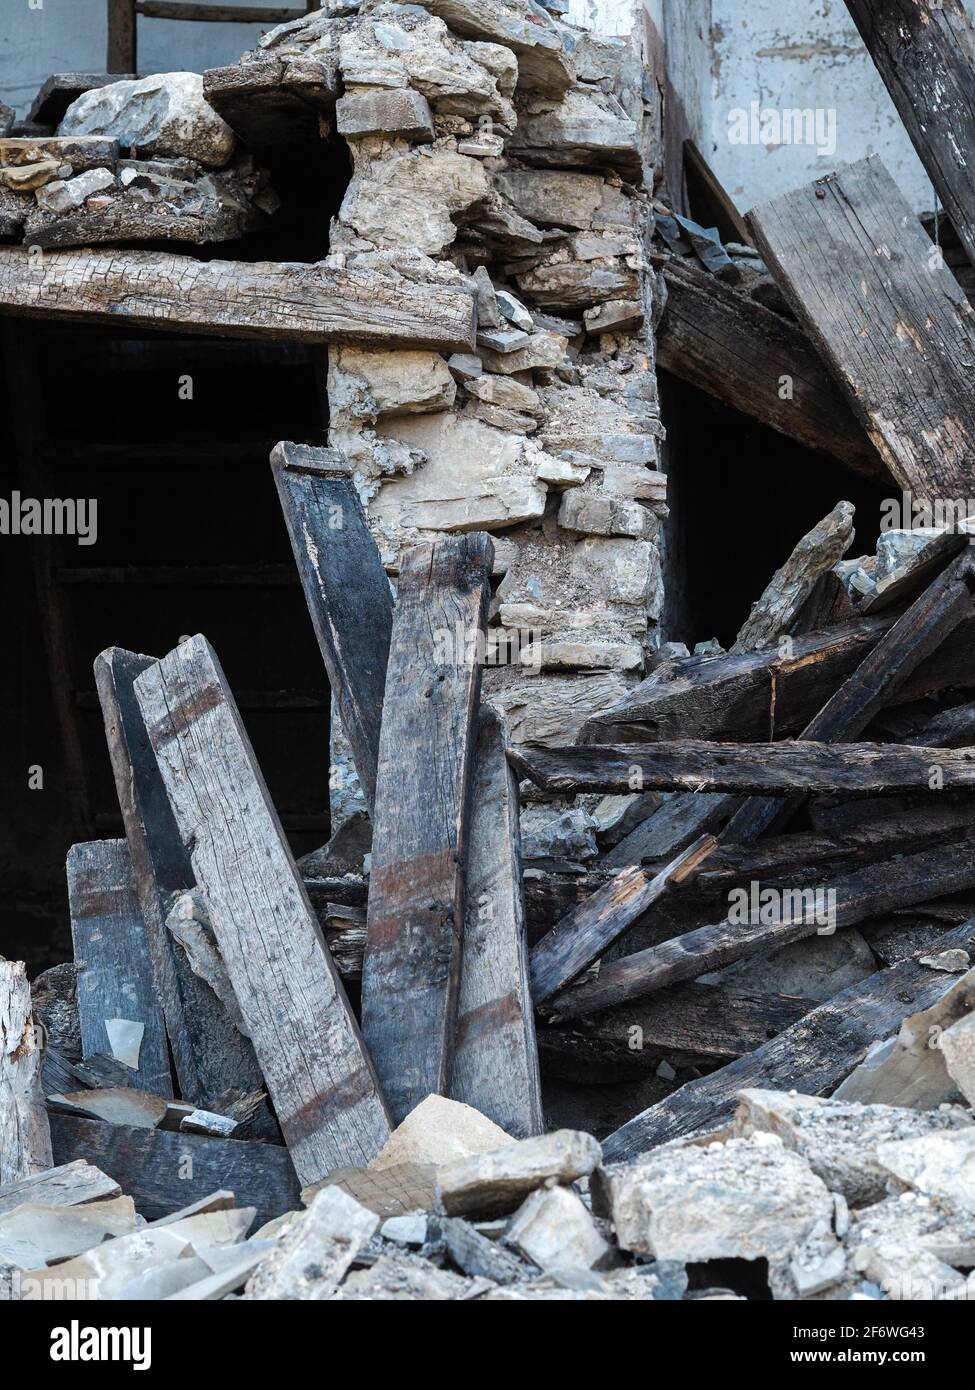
{"x": 411, "y": 970}
{"x": 25, "y": 1140}
{"x": 318, "y": 1073}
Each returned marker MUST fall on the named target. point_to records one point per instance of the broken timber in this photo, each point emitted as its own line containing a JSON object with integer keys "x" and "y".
{"x": 892, "y": 323}
{"x": 855, "y": 897}
{"x": 925, "y": 52}
{"x": 118, "y": 1007}
{"x": 25, "y": 1141}
{"x": 811, "y": 1057}
{"x": 281, "y": 300}
{"x": 318, "y": 1074}
{"x": 210, "y": 1054}
{"x": 71, "y": 1184}
{"x": 411, "y": 969}
{"x": 495, "y": 1066}
{"x": 748, "y": 769}
{"x": 346, "y": 590}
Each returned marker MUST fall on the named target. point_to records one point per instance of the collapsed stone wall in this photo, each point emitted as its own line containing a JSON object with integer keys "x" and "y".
{"x": 494, "y": 145}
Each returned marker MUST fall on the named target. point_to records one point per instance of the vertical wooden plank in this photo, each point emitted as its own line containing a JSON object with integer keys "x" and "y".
{"x": 925, "y": 52}
{"x": 346, "y": 589}
{"x": 210, "y": 1054}
{"x": 411, "y": 968}
{"x": 496, "y": 1059}
{"x": 115, "y": 977}
{"x": 25, "y": 1139}
{"x": 892, "y": 324}
{"x": 319, "y": 1076}
{"x": 122, "y": 37}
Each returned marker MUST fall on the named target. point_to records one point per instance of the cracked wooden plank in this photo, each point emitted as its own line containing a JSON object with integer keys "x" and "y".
{"x": 891, "y": 321}
{"x": 264, "y": 299}
{"x": 318, "y": 1073}
{"x": 210, "y": 1054}
{"x": 25, "y": 1140}
{"x": 411, "y": 969}
{"x": 345, "y": 587}
{"x": 118, "y": 1008}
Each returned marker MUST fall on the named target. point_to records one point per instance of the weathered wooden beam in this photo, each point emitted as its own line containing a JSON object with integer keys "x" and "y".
{"x": 678, "y": 823}
{"x": 587, "y": 931}
{"x": 263, "y": 299}
{"x": 218, "y": 14}
{"x": 209, "y": 1052}
{"x": 164, "y": 1171}
{"x": 70, "y": 1185}
{"x": 747, "y": 769}
{"x": 122, "y": 37}
{"x": 925, "y": 52}
{"x": 893, "y": 324}
{"x": 495, "y": 1067}
{"x": 411, "y": 970}
{"x": 792, "y": 916}
{"x": 118, "y": 1008}
{"x": 811, "y": 1057}
{"x": 346, "y": 590}
{"x": 910, "y": 579}
{"x": 25, "y": 1140}
{"x": 717, "y": 339}
{"x": 318, "y": 1074}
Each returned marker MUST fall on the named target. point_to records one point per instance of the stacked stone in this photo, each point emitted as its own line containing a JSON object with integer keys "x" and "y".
{"x": 494, "y": 145}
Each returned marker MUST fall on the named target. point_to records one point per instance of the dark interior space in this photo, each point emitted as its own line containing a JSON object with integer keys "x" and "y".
{"x": 741, "y": 496}
{"x": 171, "y": 435}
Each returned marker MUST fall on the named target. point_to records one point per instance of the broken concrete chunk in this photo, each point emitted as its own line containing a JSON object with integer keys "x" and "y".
{"x": 554, "y": 1230}
{"x": 439, "y": 1131}
{"x": 312, "y": 1258}
{"x": 401, "y": 112}
{"x": 497, "y": 1182}
{"x": 745, "y": 1199}
{"x": 165, "y": 114}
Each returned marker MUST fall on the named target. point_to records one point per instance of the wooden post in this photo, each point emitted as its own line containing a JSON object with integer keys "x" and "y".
{"x": 318, "y": 1074}
{"x": 122, "y": 37}
{"x": 411, "y": 969}
{"x": 25, "y": 1140}
{"x": 346, "y": 589}
{"x": 116, "y": 986}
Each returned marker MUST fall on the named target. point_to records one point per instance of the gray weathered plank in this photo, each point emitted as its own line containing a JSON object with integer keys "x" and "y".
{"x": 25, "y": 1141}
{"x": 114, "y": 968}
{"x": 263, "y": 299}
{"x": 70, "y": 1185}
{"x": 411, "y": 970}
{"x": 317, "y": 1071}
{"x": 209, "y": 1053}
{"x": 891, "y": 321}
{"x": 496, "y": 1058}
{"x": 346, "y": 590}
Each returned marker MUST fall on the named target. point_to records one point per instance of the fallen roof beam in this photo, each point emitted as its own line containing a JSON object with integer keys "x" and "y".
{"x": 279, "y": 300}
{"x": 25, "y": 1141}
{"x": 893, "y": 324}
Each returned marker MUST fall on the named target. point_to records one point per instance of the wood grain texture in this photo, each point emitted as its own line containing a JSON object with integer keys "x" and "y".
{"x": 317, "y": 1071}
{"x": 163, "y": 1171}
{"x": 582, "y": 936}
{"x": 495, "y": 1066}
{"x": 867, "y": 892}
{"x": 747, "y": 769}
{"x": 411, "y": 970}
{"x": 115, "y": 979}
{"x": 209, "y": 1053}
{"x": 720, "y": 341}
{"x": 892, "y": 323}
{"x": 678, "y": 823}
{"x": 925, "y": 52}
{"x": 346, "y": 590}
{"x": 25, "y": 1141}
{"x": 263, "y": 299}
{"x": 812, "y": 1057}
{"x": 71, "y": 1184}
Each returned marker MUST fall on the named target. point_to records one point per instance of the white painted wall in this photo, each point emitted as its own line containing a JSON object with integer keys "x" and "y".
{"x": 38, "y": 37}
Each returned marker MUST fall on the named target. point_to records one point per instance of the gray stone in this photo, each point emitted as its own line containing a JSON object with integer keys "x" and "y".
{"x": 563, "y": 835}
{"x": 488, "y": 309}
{"x": 605, "y": 516}
{"x": 515, "y": 312}
{"x": 372, "y": 385}
{"x": 35, "y": 1234}
{"x": 464, "y": 366}
{"x": 587, "y": 129}
{"x": 188, "y": 919}
{"x": 553, "y": 198}
{"x": 407, "y": 1278}
{"x": 313, "y": 1256}
{"x": 555, "y": 1231}
{"x": 479, "y": 1257}
{"x": 401, "y": 112}
{"x": 410, "y": 1229}
{"x": 165, "y": 114}
{"x": 615, "y": 316}
{"x": 64, "y": 195}
{"x": 940, "y": 1165}
{"x": 502, "y": 340}
{"x": 503, "y": 391}
{"x": 498, "y": 1182}
{"x": 543, "y": 63}
{"x": 958, "y": 1049}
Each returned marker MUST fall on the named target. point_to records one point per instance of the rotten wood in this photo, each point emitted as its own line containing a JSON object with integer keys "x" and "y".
{"x": 411, "y": 970}
{"x": 811, "y": 1057}
{"x": 892, "y": 323}
{"x": 318, "y": 1073}
{"x": 118, "y": 1008}
{"x": 495, "y": 1066}
{"x": 25, "y": 1141}
{"x": 346, "y": 590}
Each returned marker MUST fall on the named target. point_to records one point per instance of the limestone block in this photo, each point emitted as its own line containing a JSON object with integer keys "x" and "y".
{"x": 550, "y": 709}
{"x": 940, "y": 1165}
{"x": 555, "y": 1231}
{"x": 605, "y": 516}
{"x": 315, "y": 1253}
{"x": 407, "y": 196}
{"x": 587, "y": 129}
{"x": 552, "y": 198}
{"x": 64, "y": 195}
{"x": 491, "y": 1183}
{"x": 503, "y": 391}
{"x": 401, "y": 112}
{"x": 376, "y": 385}
{"x": 958, "y": 1048}
{"x": 165, "y": 114}
{"x": 543, "y": 63}
{"x": 623, "y": 571}
{"x": 440, "y": 1131}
